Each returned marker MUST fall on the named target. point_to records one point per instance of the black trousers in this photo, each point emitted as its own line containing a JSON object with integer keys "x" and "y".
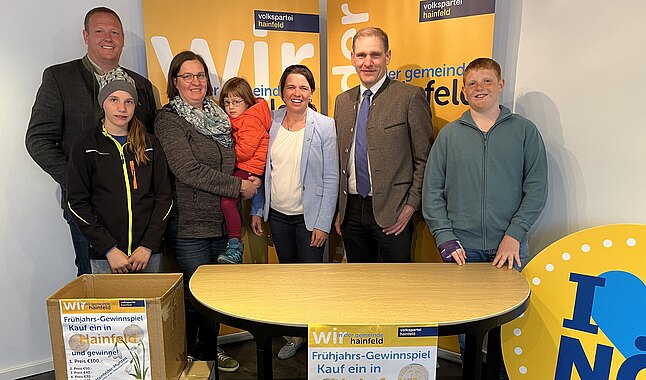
{"x": 292, "y": 239}
{"x": 364, "y": 239}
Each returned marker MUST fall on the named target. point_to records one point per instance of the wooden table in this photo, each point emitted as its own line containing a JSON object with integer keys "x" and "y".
{"x": 275, "y": 300}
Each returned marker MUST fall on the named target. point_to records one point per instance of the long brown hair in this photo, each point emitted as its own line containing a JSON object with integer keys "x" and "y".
{"x": 138, "y": 141}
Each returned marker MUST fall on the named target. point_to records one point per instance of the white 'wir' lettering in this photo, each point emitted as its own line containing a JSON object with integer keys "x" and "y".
{"x": 200, "y": 46}
{"x": 261, "y": 64}
{"x": 290, "y": 56}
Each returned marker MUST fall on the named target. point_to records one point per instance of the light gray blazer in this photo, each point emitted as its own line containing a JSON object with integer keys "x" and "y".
{"x": 319, "y": 171}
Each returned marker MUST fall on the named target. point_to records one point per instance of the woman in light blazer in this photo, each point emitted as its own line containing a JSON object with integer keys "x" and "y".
{"x": 302, "y": 173}
{"x": 301, "y": 178}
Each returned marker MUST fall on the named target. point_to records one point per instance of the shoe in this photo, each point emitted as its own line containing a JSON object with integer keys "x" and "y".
{"x": 233, "y": 254}
{"x": 226, "y": 363}
{"x": 289, "y": 350}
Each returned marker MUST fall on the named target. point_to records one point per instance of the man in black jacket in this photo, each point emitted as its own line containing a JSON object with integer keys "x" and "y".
{"x": 66, "y": 105}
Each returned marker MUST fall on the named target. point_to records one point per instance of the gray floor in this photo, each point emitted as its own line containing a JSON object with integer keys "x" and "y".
{"x": 294, "y": 368}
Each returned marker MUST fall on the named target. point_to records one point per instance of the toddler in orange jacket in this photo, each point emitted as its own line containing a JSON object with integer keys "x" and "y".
{"x": 250, "y": 122}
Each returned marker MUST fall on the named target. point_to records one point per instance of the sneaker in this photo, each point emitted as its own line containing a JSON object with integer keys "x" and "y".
{"x": 233, "y": 254}
{"x": 226, "y": 363}
{"x": 289, "y": 350}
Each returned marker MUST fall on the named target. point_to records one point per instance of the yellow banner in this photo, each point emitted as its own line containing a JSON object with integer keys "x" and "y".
{"x": 431, "y": 44}
{"x": 251, "y": 39}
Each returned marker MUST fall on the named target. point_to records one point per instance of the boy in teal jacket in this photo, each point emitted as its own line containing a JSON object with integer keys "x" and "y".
{"x": 486, "y": 177}
{"x": 485, "y": 182}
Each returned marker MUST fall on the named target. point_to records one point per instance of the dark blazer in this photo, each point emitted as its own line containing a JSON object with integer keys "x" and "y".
{"x": 66, "y": 106}
{"x": 399, "y": 134}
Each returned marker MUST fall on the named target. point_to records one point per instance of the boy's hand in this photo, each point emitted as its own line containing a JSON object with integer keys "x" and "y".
{"x": 459, "y": 256}
{"x": 508, "y": 251}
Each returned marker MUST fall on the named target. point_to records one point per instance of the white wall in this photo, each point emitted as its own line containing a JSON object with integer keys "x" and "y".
{"x": 574, "y": 69}
{"x": 571, "y": 66}
{"x": 36, "y": 256}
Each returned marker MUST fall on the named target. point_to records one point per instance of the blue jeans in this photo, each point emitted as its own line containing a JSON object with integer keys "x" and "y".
{"x": 484, "y": 256}
{"x": 292, "y": 239}
{"x": 81, "y": 247}
{"x": 487, "y": 255}
{"x": 201, "y": 337}
{"x": 103, "y": 266}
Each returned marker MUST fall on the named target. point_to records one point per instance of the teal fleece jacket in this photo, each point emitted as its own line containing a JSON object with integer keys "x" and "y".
{"x": 480, "y": 186}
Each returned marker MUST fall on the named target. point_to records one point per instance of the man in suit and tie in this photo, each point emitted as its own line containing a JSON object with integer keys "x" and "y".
{"x": 67, "y": 105}
{"x": 384, "y": 133}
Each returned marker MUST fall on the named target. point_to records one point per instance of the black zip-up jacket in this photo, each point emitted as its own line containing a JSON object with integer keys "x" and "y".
{"x": 114, "y": 201}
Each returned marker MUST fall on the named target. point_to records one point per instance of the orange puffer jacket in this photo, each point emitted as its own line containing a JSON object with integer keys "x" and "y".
{"x": 250, "y": 132}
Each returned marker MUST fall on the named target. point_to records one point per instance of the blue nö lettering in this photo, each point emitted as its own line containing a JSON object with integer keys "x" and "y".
{"x": 571, "y": 355}
{"x": 633, "y": 365}
{"x": 583, "y": 302}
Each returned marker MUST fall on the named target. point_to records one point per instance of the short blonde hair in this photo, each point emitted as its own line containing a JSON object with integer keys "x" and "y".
{"x": 371, "y": 31}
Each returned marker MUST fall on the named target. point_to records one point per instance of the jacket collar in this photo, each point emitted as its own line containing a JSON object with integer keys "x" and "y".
{"x": 467, "y": 119}
{"x": 356, "y": 91}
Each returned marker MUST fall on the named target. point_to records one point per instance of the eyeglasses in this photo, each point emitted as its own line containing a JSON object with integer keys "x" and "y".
{"x": 233, "y": 103}
{"x": 188, "y": 77}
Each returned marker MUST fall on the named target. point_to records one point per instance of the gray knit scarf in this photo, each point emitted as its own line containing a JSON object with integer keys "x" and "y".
{"x": 211, "y": 120}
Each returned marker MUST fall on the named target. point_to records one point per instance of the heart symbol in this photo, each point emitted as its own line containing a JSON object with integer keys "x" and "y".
{"x": 620, "y": 311}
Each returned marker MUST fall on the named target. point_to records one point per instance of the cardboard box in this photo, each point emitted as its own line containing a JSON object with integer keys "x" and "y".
{"x": 88, "y": 313}
{"x": 199, "y": 370}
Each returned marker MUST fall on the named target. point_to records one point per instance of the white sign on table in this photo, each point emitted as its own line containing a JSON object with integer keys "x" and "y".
{"x": 388, "y": 352}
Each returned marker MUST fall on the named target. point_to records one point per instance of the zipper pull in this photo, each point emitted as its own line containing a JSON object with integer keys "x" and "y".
{"x": 134, "y": 175}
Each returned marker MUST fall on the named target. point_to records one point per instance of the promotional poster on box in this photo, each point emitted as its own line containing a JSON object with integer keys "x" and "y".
{"x": 105, "y": 339}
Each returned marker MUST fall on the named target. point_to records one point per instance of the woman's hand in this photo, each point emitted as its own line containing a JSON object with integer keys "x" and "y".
{"x": 118, "y": 261}
{"x": 318, "y": 238}
{"x": 139, "y": 258}
{"x": 249, "y": 187}
{"x": 256, "y": 225}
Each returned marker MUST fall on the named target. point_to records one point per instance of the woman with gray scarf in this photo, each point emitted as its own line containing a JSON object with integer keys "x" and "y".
{"x": 196, "y": 136}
